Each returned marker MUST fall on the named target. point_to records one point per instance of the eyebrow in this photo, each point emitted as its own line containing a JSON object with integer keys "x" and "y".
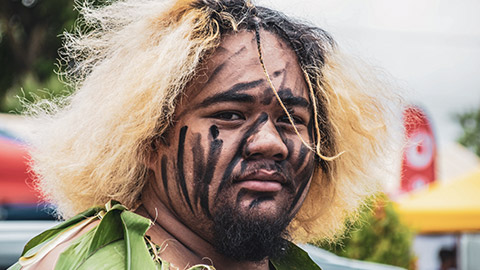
{"x": 289, "y": 99}
{"x": 231, "y": 94}
{"x": 227, "y": 97}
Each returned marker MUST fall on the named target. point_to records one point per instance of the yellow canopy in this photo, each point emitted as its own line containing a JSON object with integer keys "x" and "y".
{"x": 449, "y": 207}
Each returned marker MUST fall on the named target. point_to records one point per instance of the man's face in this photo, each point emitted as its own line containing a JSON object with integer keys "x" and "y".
{"x": 232, "y": 148}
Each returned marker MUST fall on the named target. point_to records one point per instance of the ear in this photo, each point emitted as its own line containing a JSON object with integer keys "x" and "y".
{"x": 152, "y": 154}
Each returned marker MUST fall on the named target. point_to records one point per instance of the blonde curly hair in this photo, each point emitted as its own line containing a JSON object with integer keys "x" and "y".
{"x": 132, "y": 60}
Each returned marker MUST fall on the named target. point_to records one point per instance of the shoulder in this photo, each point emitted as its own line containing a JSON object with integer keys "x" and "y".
{"x": 55, "y": 249}
{"x": 87, "y": 239}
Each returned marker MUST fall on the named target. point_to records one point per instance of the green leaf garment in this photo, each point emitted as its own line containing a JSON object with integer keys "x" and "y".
{"x": 118, "y": 241}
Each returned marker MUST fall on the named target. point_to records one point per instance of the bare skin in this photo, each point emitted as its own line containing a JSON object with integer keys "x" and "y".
{"x": 233, "y": 144}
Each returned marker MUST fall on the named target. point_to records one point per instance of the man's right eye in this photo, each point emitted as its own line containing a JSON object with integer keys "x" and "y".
{"x": 229, "y": 116}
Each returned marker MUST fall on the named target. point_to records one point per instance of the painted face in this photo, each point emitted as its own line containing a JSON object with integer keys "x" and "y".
{"x": 232, "y": 143}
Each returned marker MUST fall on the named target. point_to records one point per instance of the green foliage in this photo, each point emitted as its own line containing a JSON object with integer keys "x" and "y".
{"x": 29, "y": 40}
{"x": 296, "y": 259}
{"x": 470, "y": 123}
{"x": 377, "y": 236}
{"x": 29, "y": 89}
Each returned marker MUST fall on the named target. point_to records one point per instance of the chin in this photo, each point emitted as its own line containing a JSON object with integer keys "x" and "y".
{"x": 262, "y": 208}
{"x": 251, "y": 230}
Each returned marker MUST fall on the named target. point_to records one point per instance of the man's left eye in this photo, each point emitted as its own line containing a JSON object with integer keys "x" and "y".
{"x": 297, "y": 120}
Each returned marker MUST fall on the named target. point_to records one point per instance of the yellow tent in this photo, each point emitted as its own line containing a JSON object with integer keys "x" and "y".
{"x": 449, "y": 207}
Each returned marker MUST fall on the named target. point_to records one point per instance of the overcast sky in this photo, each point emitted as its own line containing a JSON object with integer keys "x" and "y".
{"x": 432, "y": 47}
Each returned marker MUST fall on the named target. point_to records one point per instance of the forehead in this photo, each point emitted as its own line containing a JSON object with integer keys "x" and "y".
{"x": 236, "y": 61}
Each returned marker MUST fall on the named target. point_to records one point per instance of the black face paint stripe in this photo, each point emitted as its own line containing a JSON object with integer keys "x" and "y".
{"x": 267, "y": 96}
{"x": 243, "y": 166}
{"x": 156, "y": 188}
{"x": 216, "y": 71}
{"x": 243, "y": 49}
{"x": 245, "y": 86}
{"x": 301, "y": 157}
{"x": 284, "y": 79}
{"x": 298, "y": 195}
{"x": 238, "y": 154}
{"x": 311, "y": 133}
{"x": 230, "y": 95}
{"x": 290, "y": 145}
{"x": 227, "y": 97}
{"x": 219, "y": 68}
{"x": 306, "y": 174}
{"x": 164, "y": 173}
{"x": 198, "y": 166}
{"x": 278, "y": 72}
{"x": 181, "y": 173}
{"x": 214, "y": 131}
{"x": 213, "y": 156}
{"x": 259, "y": 200}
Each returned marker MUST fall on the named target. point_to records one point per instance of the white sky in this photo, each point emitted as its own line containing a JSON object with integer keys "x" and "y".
{"x": 431, "y": 46}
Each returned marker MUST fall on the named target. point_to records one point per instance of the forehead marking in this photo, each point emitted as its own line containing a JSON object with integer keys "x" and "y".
{"x": 284, "y": 79}
{"x": 221, "y": 66}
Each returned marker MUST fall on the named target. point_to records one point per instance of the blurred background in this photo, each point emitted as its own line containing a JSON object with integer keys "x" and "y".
{"x": 429, "y": 217}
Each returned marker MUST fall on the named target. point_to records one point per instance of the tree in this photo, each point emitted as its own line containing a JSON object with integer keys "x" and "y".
{"x": 470, "y": 123}
{"x": 29, "y": 40}
{"x": 377, "y": 236}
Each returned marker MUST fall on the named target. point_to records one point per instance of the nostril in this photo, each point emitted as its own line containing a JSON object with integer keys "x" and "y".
{"x": 266, "y": 149}
{"x": 266, "y": 142}
{"x": 255, "y": 156}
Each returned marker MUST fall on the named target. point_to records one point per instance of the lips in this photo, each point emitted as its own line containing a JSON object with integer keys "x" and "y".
{"x": 262, "y": 181}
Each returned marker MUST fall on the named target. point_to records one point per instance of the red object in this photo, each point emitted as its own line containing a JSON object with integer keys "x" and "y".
{"x": 16, "y": 182}
{"x": 419, "y": 156}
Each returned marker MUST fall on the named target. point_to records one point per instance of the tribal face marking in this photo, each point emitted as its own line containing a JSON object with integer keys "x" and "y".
{"x": 232, "y": 143}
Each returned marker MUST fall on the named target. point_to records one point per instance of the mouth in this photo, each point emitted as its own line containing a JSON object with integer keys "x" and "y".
{"x": 262, "y": 181}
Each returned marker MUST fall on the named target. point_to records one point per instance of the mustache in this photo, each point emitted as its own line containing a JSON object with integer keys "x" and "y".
{"x": 249, "y": 168}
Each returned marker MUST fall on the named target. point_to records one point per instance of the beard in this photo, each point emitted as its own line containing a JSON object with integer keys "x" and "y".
{"x": 245, "y": 237}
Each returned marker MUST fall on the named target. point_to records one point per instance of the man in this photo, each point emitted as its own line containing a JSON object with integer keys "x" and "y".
{"x": 227, "y": 129}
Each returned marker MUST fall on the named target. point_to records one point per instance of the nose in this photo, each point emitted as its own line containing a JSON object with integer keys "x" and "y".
{"x": 267, "y": 143}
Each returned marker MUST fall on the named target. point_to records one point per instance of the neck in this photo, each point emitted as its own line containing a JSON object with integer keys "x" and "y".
{"x": 181, "y": 246}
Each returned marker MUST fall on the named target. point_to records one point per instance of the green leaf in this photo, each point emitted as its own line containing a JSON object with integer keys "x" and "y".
{"x": 49, "y": 234}
{"x": 76, "y": 254}
{"x": 81, "y": 249}
{"x": 109, "y": 230}
{"x": 111, "y": 258}
{"x": 295, "y": 259}
{"x": 15, "y": 266}
{"x": 119, "y": 237}
{"x": 134, "y": 229}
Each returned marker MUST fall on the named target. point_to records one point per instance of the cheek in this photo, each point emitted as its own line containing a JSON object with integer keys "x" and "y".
{"x": 206, "y": 149}
{"x": 163, "y": 182}
{"x": 304, "y": 167}
{"x": 173, "y": 170}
